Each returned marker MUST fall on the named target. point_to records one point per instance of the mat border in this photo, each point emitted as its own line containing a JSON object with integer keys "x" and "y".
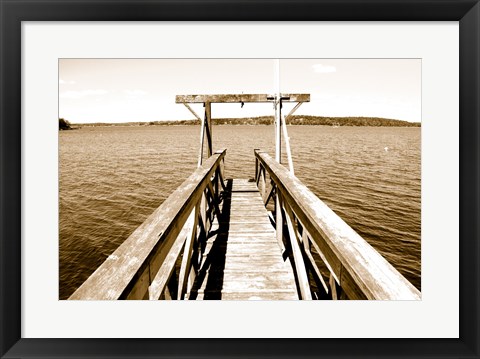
{"x": 13, "y": 12}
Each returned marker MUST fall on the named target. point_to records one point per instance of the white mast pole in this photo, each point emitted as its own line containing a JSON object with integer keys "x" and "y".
{"x": 278, "y": 147}
{"x": 278, "y": 115}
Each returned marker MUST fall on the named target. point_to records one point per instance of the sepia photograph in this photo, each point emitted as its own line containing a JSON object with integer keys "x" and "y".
{"x": 240, "y": 179}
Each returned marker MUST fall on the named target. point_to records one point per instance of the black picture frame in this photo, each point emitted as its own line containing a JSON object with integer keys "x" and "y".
{"x": 13, "y": 12}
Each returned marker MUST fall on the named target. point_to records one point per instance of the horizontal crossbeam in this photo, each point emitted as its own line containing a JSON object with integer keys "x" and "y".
{"x": 240, "y": 98}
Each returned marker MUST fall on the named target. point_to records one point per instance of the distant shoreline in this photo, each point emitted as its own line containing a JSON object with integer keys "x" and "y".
{"x": 268, "y": 120}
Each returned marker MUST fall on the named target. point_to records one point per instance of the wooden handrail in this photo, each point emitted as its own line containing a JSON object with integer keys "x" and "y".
{"x": 355, "y": 266}
{"x": 130, "y": 270}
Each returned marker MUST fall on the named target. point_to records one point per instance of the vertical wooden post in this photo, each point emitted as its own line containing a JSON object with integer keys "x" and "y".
{"x": 202, "y": 137}
{"x": 208, "y": 120}
{"x": 300, "y": 267}
{"x": 203, "y": 214}
{"x": 217, "y": 193}
{"x": 336, "y": 288}
{"x": 279, "y": 219}
{"x": 187, "y": 253}
{"x": 256, "y": 165}
{"x": 264, "y": 184}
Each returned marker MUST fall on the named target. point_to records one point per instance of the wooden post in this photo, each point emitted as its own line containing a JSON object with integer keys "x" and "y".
{"x": 187, "y": 253}
{"x": 279, "y": 220}
{"x": 202, "y": 137}
{"x": 264, "y": 184}
{"x": 333, "y": 287}
{"x": 300, "y": 268}
{"x": 217, "y": 192}
{"x": 256, "y": 171}
{"x": 208, "y": 120}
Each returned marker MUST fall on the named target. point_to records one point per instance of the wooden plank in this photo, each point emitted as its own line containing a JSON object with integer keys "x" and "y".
{"x": 252, "y": 240}
{"x": 252, "y": 206}
{"x": 256, "y": 295}
{"x": 238, "y": 197}
{"x": 236, "y": 248}
{"x": 272, "y": 266}
{"x": 252, "y": 248}
{"x": 246, "y": 196}
{"x": 280, "y": 270}
{"x": 247, "y": 219}
{"x": 243, "y": 254}
{"x": 258, "y": 282}
{"x": 232, "y": 98}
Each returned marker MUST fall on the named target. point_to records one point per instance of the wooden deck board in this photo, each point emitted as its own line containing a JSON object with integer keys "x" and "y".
{"x": 242, "y": 260}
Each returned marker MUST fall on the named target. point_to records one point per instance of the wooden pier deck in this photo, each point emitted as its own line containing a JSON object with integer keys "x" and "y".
{"x": 242, "y": 259}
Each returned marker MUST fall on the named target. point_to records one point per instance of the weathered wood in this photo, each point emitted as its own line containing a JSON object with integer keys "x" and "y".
{"x": 229, "y": 98}
{"x": 252, "y": 295}
{"x": 333, "y": 264}
{"x": 292, "y": 111}
{"x": 316, "y": 270}
{"x": 367, "y": 269}
{"x": 187, "y": 253}
{"x": 193, "y": 112}
{"x": 129, "y": 263}
{"x": 333, "y": 288}
{"x": 208, "y": 128}
{"x": 300, "y": 269}
{"x": 279, "y": 223}
{"x": 161, "y": 278}
{"x": 242, "y": 255}
{"x": 313, "y": 264}
{"x": 202, "y": 138}
{"x": 256, "y": 167}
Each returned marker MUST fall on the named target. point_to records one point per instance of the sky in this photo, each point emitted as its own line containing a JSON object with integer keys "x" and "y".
{"x": 141, "y": 90}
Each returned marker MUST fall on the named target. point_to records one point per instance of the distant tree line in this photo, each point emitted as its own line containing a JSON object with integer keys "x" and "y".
{"x": 268, "y": 120}
{"x": 318, "y": 120}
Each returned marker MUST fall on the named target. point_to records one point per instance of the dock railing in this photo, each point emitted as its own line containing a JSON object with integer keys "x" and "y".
{"x": 309, "y": 229}
{"x": 160, "y": 259}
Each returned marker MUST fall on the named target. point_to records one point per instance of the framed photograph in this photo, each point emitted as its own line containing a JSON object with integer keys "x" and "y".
{"x": 96, "y": 65}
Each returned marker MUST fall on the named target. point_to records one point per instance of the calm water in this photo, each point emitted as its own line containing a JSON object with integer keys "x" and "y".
{"x": 112, "y": 178}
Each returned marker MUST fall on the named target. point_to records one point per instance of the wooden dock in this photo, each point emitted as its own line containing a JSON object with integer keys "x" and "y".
{"x": 242, "y": 259}
{"x": 265, "y": 238}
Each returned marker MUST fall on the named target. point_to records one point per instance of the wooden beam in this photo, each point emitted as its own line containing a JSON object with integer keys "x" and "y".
{"x": 193, "y": 112}
{"x": 229, "y": 98}
{"x": 293, "y": 110}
